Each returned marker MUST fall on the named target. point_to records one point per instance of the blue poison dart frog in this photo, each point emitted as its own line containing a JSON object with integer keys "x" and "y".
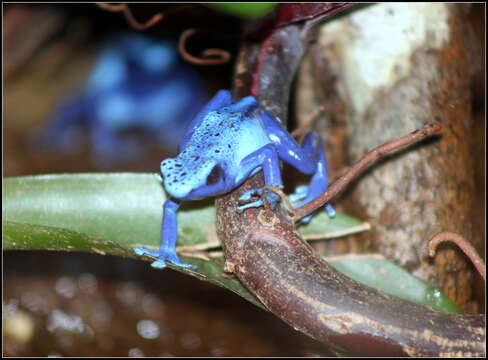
{"x": 225, "y": 144}
{"x": 136, "y": 84}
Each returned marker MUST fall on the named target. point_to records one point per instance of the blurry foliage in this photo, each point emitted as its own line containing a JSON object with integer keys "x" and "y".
{"x": 244, "y": 10}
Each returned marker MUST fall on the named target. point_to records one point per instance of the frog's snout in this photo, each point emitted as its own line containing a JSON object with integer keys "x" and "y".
{"x": 177, "y": 180}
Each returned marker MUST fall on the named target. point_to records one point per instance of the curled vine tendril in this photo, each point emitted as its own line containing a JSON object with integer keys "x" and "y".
{"x": 132, "y": 20}
{"x": 208, "y": 56}
{"x": 463, "y": 244}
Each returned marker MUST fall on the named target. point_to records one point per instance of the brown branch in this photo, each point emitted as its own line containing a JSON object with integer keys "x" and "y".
{"x": 223, "y": 56}
{"x": 465, "y": 246}
{"x": 264, "y": 251}
{"x": 364, "y": 162}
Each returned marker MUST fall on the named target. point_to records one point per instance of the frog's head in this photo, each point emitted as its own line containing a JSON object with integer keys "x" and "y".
{"x": 192, "y": 178}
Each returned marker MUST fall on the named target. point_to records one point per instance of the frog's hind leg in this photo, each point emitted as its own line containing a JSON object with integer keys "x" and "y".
{"x": 313, "y": 147}
{"x": 309, "y": 158}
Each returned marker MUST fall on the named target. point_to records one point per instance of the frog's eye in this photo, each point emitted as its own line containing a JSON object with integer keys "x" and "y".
{"x": 215, "y": 175}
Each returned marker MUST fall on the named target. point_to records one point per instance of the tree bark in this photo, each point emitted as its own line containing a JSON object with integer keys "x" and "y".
{"x": 386, "y": 71}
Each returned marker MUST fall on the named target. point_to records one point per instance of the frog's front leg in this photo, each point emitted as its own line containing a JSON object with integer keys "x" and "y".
{"x": 267, "y": 158}
{"x": 167, "y": 250}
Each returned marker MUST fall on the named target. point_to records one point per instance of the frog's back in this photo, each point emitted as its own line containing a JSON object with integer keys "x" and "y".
{"x": 227, "y": 136}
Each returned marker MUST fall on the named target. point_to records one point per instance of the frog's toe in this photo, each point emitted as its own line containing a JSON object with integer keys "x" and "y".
{"x": 144, "y": 251}
{"x": 327, "y": 207}
{"x": 183, "y": 265}
{"x": 300, "y": 193}
{"x": 162, "y": 258}
{"x": 247, "y": 195}
{"x": 271, "y": 198}
{"x": 172, "y": 257}
{"x": 306, "y": 219}
{"x": 330, "y": 210}
{"x": 158, "y": 264}
{"x": 253, "y": 204}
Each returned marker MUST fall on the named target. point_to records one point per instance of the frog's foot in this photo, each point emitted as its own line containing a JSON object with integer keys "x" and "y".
{"x": 330, "y": 210}
{"x": 306, "y": 219}
{"x": 271, "y": 198}
{"x": 163, "y": 257}
{"x": 327, "y": 207}
{"x": 301, "y": 192}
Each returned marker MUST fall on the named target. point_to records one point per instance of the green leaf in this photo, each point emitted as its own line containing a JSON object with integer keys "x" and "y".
{"x": 321, "y": 226}
{"x": 244, "y": 10}
{"x": 125, "y": 208}
{"x": 106, "y": 214}
{"x": 113, "y": 213}
{"x": 384, "y": 275}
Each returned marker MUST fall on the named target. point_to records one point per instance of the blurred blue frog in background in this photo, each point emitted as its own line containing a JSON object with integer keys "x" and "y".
{"x": 136, "y": 84}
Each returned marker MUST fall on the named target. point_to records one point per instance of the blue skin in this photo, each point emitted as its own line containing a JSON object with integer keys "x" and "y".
{"x": 136, "y": 83}
{"x": 224, "y": 145}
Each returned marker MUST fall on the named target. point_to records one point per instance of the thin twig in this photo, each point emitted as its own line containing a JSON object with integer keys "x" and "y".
{"x": 195, "y": 254}
{"x": 307, "y": 122}
{"x": 223, "y": 56}
{"x": 363, "y": 163}
{"x": 465, "y": 246}
{"x": 198, "y": 247}
{"x": 335, "y": 234}
{"x": 354, "y": 257}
